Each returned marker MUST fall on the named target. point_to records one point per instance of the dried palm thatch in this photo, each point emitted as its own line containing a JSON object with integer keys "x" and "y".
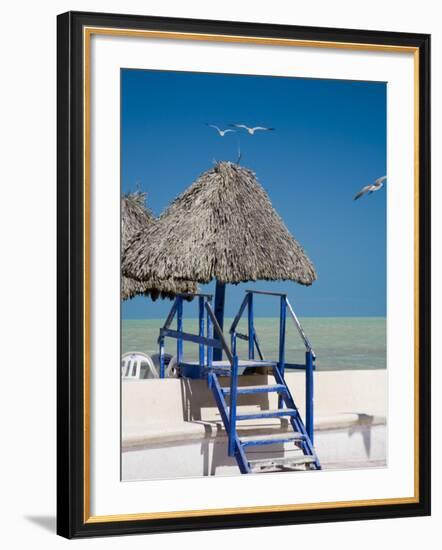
{"x": 135, "y": 217}
{"x": 156, "y": 288}
{"x": 224, "y": 227}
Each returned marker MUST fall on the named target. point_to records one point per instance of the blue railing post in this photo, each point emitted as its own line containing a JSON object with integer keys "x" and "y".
{"x": 281, "y": 359}
{"x": 162, "y": 369}
{"x": 251, "y": 328}
{"x": 309, "y": 394}
{"x": 232, "y": 406}
{"x": 209, "y": 335}
{"x": 282, "y": 324}
{"x": 233, "y": 342}
{"x": 179, "y": 322}
{"x": 201, "y": 328}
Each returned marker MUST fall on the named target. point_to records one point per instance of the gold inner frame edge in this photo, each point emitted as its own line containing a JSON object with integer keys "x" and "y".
{"x": 87, "y": 33}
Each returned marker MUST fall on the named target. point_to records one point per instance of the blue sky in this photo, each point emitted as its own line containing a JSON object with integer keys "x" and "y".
{"x": 329, "y": 141}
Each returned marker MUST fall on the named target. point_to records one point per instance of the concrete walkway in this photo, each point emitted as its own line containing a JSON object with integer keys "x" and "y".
{"x": 171, "y": 428}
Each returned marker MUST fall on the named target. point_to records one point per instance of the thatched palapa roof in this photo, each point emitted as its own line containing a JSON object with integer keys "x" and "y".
{"x": 155, "y": 288}
{"x": 135, "y": 217}
{"x": 224, "y": 227}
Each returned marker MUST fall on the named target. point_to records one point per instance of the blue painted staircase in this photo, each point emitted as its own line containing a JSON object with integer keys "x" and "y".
{"x": 298, "y": 436}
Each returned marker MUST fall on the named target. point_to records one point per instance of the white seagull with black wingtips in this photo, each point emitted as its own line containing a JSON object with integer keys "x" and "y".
{"x": 222, "y": 133}
{"x": 251, "y": 131}
{"x": 368, "y": 189}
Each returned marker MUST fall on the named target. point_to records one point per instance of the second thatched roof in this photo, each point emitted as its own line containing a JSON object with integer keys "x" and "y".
{"x": 134, "y": 218}
{"x": 223, "y": 226}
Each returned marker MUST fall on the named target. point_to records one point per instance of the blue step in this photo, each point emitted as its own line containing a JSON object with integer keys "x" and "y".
{"x": 225, "y": 364}
{"x": 277, "y": 413}
{"x": 257, "y": 389}
{"x": 274, "y": 439}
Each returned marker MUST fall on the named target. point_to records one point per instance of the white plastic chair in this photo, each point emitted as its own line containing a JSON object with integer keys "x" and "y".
{"x": 136, "y": 365}
{"x": 170, "y": 363}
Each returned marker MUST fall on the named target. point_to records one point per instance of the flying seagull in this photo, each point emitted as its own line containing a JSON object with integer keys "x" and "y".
{"x": 251, "y": 130}
{"x": 378, "y": 184}
{"x": 222, "y": 133}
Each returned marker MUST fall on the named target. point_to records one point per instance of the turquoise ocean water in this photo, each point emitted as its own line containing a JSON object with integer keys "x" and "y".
{"x": 339, "y": 342}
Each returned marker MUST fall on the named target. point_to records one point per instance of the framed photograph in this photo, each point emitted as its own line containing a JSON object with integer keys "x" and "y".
{"x": 243, "y": 274}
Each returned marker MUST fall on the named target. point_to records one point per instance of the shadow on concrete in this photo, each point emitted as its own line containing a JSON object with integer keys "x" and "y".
{"x": 364, "y": 427}
{"x": 197, "y": 398}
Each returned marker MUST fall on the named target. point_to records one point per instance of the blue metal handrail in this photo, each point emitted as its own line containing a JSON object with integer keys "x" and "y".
{"x": 253, "y": 343}
{"x": 251, "y": 337}
{"x": 266, "y": 293}
{"x": 247, "y": 301}
{"x": 180, "y": 335}
{"x": 239, "y": 314}
{"x": 299, "y": 328}
{"x": 233, "y": 360}
{"x": 208, "y": 343}
{"x": 219, "y": 332}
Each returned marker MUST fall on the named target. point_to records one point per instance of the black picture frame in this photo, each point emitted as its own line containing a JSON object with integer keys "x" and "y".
{"x": 72, "y": 520}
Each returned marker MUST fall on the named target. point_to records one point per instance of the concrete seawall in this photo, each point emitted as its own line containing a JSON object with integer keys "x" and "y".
{"x": 172, "y": 428}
